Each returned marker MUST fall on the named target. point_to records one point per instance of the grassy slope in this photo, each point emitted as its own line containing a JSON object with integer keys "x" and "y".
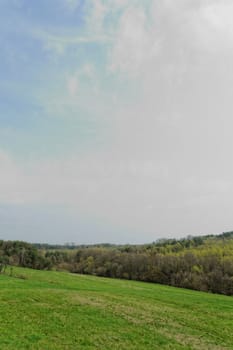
{"x": 54, "y": 310}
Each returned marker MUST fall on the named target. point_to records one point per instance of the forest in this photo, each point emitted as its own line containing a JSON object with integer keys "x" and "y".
{"x": 202, "y": 263}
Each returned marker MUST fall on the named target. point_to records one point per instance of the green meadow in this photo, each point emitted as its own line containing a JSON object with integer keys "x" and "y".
{"x": 55, "y": 310}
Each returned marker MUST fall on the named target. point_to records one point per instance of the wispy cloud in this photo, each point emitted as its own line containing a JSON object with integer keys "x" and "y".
{"x": 59, "y": 43}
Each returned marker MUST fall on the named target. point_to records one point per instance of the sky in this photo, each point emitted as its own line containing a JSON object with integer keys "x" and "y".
{"x": 115, "y": 119}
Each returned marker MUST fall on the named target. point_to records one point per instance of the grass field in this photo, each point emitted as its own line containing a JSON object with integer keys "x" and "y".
{"x": 55, "y": 310}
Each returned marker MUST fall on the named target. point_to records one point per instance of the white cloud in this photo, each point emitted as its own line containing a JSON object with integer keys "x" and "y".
{"x": 215, "y": 29}
{"x": 167, "y": 166}
{"x": 135, "y": 44}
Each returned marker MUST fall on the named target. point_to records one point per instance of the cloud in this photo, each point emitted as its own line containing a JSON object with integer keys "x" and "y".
{"x": 159, "y": 95}
{"x": 60, "y": 43}
{"x": 215, "y": 30}
{"x": 134, "y": 194}
{"x": 135, "y": 44}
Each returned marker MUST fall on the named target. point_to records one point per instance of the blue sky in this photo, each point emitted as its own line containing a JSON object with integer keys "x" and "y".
{"x": 33, "y": 73}
{"x": 115, "y": 120}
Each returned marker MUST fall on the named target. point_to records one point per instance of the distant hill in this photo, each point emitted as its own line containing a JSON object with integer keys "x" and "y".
{"x": 185, "y": 242}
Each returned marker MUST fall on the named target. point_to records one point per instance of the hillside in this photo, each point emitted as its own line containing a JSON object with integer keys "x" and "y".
{"x": 55, "y": 310}
{"x": 202, "y": 263}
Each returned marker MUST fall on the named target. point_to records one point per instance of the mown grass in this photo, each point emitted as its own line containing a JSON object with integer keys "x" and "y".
{"x": 55, "y": 310}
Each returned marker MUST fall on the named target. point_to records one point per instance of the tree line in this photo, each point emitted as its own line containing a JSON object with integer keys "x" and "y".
{"x": 201, "y": 263}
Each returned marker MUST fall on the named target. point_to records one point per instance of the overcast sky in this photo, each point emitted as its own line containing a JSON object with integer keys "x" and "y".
{"x": 115, "y": 119}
